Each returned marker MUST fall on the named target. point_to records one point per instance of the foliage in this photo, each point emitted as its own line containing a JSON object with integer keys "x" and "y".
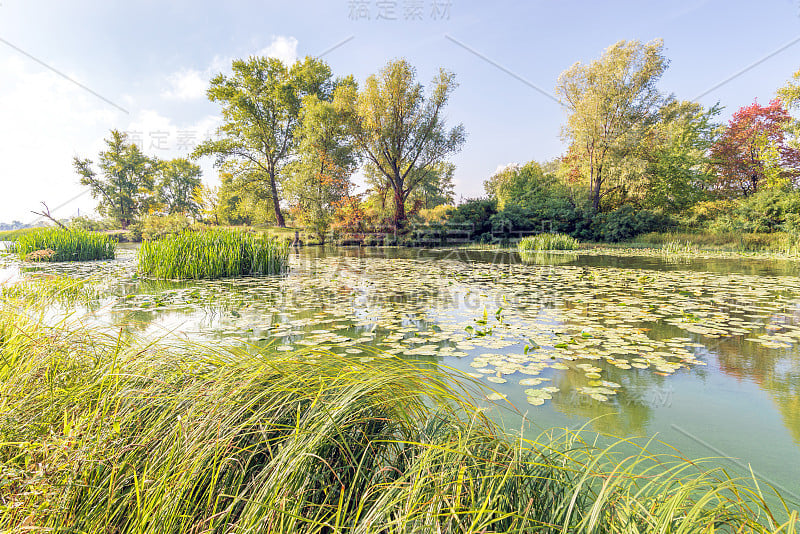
{"x": 473, "y": 217}
{"x": 548, "y": 242}
{"x": 610, "y": 102}
{"x": 436, "y": 215}
{"x": 320, "y": 177}
{"x": 126, "y": 185}
{"x": 399, "y": 131}
{"x": 752, "y": 153}
{"x": 625, "y": 223}
{"x": 65, "y": 245}
{"x": 115, "y": 434}
{"x": 152, "y": 227}
{"x": 261, "y": 103}
{"x": 178, "y": 180}
{"x": 675, "y": 150}
{"x": 89, "y": 224}
{"x": 435, "y": 188}
{"x": 211, "y": 254}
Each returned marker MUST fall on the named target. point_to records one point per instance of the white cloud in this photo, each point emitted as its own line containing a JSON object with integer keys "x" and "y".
{"x": 47, "y": 120}
{"x": 283, "y": 48}
{"x": 187, "y": 84}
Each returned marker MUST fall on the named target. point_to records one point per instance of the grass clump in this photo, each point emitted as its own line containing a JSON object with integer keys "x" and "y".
{"x": 548, "y": 241}
{"x": 212, "y": 253}
{"x": 103, "y": 433}
{"x": 60, "y": 244}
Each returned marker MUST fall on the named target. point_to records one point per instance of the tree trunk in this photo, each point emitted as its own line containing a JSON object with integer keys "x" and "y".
{"x": 399, "y": 209}
{"x": 276, "y": 203}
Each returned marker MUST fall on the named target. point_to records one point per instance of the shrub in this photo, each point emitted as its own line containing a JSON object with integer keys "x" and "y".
{"x": 212, "y": 254}
{"x": 59, "y": 244}
{"x": 548, "y": 242}
{"x": 626, "y": 222}
{"x": 152, "y": 227}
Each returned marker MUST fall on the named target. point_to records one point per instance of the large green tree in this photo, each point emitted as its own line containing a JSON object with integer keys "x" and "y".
{"x": 399, "y": 130}
{"x": 326, "y": 158}
{"x": 125, "y": 185}
{"x": 178, "y": 179}
{"x": 611, "y": 103}
{"x": 261, "y": 102}
{"x": 676, "y": 152}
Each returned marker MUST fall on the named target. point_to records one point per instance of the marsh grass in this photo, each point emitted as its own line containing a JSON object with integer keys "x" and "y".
{"x": 59, "y": 244}
{"x": 776, "y": 242}
{"x": 210, "y": 254}
{"x": 548, "y": 241}
{"x": 105, "y": 433}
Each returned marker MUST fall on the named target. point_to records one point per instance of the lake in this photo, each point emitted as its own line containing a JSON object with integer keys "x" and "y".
{"x": 699, "y": 351}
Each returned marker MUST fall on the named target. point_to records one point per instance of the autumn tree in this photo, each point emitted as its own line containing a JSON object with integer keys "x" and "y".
{"x": 611, "y": 101}
{"x": 752, "y": 153}
{"x": 261, "y": 103}
{"x": 320, "y": 177}
{"x": 399, "y": 130}
{"x": 125, "y": 185}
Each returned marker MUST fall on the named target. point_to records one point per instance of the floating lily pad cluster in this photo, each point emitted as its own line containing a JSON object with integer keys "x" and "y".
{"x": 510, "y": 325}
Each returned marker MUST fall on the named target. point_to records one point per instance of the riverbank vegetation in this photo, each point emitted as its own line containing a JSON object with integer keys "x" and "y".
{"x": 61, "y": 244}
{"x": 102, "y": 432}
{"x": 212, "y": 253}
{"x": 668, "y": 166}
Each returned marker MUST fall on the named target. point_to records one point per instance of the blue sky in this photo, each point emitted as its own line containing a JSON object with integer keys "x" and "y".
{"x": 146, "y": 65}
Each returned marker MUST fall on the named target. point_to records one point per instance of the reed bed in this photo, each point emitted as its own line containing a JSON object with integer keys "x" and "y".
{"x": 210, "y": 254}
{"x": 59, "y": 244}
{"x": 105, "y": 433}
{"x": 548, "y": 241}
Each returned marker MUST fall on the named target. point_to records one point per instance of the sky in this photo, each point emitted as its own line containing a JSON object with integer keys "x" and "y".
{"x": 70, "y": 71}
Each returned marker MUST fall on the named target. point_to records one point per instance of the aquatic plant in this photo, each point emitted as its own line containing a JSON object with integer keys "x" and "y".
{"x": 548, "y": 241}
{"x": 102, "y": 433}
{"x": 212, "y": 254}
{"x": 60, "y": 244}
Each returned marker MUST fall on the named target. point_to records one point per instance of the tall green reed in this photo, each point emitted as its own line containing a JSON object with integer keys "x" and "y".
{"x": 59, "y": 244}
{"x": 212, "y": 253}
{"x": 548, "y": 241}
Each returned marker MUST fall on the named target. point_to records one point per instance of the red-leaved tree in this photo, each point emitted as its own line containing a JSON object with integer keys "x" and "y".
{"x": 752, "y": 153}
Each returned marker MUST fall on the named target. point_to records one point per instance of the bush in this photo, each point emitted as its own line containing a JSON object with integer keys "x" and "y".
{"x": 625, "y": 222}
{"x": 212, "y": 254}
{"x": 59, "y": 244}
{"x": 473, "y": 216}
{"x": 152, "y": 227}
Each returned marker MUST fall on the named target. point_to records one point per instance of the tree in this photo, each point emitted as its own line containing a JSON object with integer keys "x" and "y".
{"x": 790, "y": 96}
{"x": 178, "y": 179}
{"x": 320, "y": 177}
{"x": 752, "y": 153}
{"x": 790, "y": 93}
{"x": 125, "y": 186}
{"x": 611, "y": 101}
{"x": 399, "y": 130}
{"x": 261, "y": 103}
{"x": 435, "y": 187}
{"x": 676, "y": 152}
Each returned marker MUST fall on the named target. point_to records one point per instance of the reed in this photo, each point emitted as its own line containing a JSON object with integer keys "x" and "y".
{"x": 105, "y": 433}
{"x": 59, "y": 244}
{"x": 548, "y": 242}
{"x": 213, "y": 253}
